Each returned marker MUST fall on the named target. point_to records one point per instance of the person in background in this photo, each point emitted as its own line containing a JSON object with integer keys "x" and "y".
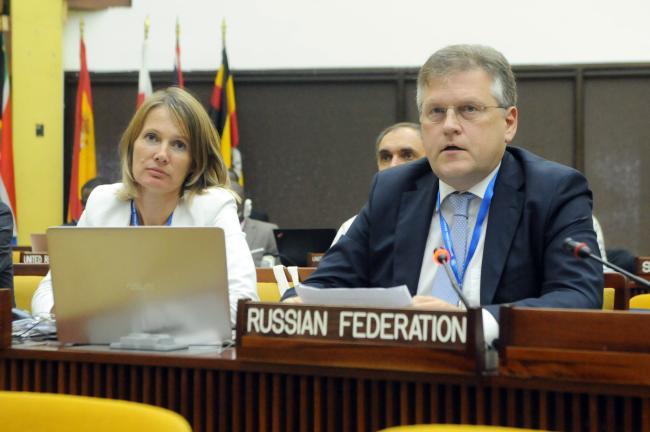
{"x": 6, "y": 261}
{"x": 259, "y": 234}
{"x": 501, "y": 211}
{"x": 620, "y": 257}
{"x": 88, "y": 187}
{"x": 172, "y": 174}
{"x": 395, "y": 145}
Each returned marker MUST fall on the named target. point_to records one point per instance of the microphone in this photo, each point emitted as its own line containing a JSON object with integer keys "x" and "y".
{"x": 581, "y": 250}
{"x": 441, "y": 257}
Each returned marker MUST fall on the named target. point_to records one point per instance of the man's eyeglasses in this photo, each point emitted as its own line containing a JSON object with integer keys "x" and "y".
{"x": 469, "y": 112}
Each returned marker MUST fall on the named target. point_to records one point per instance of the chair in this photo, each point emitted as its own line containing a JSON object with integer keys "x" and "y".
{"x": 609, "y": 295}
{"x": 641, "y": 301}
{"x": 620, "y": 286}
{"x": 267, "y": 286}
{"x": 454, "y": 428}
{"x": 24, "y": 287}
{"x": 23, "y": 411}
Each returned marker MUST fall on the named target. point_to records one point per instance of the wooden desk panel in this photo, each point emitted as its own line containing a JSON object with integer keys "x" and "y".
{"x": 218, "y": 392}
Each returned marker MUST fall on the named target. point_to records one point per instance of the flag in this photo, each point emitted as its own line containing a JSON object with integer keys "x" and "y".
{"x": 178, "y": 72}
{"x": 84, "y": 165}
{"x": 7, "y": 182}
{"x": 144, "y": 81}
{"x": 224, "y": 115}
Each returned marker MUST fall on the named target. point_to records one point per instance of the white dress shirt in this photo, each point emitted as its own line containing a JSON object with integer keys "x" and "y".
{"x": 343, "y": 229}
{"x": 472, "y": 278}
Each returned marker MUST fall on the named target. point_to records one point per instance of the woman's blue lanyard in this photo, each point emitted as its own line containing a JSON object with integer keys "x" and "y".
{"x": 135, "y": 220}
{"x": 482, "y": 213}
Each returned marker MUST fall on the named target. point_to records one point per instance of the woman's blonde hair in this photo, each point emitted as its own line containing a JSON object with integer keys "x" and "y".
{"x": 207, "y": 168}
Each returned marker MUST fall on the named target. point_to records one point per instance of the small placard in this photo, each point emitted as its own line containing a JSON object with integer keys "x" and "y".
{"x": 34, "y": 258}
{"x": 643, "y": 265}
{"x": 313, "y": 259}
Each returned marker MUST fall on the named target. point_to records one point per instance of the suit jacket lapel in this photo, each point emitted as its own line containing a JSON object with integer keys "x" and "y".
{"x": 505, "y": 212}
{"x": 414, "y": 219}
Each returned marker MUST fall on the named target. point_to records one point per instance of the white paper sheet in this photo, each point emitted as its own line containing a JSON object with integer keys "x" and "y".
{"x": 395, "y": 297}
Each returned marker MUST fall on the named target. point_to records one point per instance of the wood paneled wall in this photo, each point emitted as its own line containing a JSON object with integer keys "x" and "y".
{"x": 307, "y": 136}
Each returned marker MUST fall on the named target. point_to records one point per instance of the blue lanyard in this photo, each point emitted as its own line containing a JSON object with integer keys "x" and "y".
{"x": 135, "y": 220}
{"x": 476, "y": 234}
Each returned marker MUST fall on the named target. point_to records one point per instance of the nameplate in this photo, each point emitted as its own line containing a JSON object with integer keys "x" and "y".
{"x": 313, "y": 259}
{"x": 374, "y": 338}
{"x": 34, "y": 258}
{"x": 439, "y": 329}
{"x": 643, "y": 265}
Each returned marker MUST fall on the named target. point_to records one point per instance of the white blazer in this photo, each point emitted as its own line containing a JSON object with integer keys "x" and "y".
{"x": 216, "y": 207}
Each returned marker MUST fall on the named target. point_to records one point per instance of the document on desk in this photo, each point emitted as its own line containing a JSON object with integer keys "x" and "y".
{"x": 395, "y": 297}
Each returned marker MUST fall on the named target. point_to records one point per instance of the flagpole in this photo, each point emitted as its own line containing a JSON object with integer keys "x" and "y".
{"x": 177, "y": 56}
{"x": 144, "y": 79}
{"x": 147, "y": 24}
{"x": 223, "y": 32}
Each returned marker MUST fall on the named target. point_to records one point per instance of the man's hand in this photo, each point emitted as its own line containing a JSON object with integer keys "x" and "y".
{"x": 293, "y": 300}
{"x": 432, "y": 303}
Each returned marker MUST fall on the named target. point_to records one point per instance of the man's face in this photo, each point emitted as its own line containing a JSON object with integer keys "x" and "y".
{"x": 399, "y": 146}
{"x": 463, "y": 151}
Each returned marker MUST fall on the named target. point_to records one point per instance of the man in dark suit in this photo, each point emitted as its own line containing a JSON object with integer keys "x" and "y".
{"x": 259, "y": 234}
{"x": 505, "y": 238}
{"x": 6, "y": 235}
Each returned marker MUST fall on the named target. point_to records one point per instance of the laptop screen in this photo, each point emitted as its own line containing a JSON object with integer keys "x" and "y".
{"x": 111, "y": 282}
{"x": 295, "y": 244}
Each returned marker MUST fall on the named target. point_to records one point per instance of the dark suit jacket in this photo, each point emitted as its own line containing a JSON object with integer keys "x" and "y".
{"x": 6, "y": 234}
{"x": 536, "y": 205}
{"x": 259, "y": 234}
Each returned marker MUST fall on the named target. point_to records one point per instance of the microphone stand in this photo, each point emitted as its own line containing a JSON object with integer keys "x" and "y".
{"x": 624, "y": 272}
{"x": 581, "y": 250}
{"x": 443, "y": 259}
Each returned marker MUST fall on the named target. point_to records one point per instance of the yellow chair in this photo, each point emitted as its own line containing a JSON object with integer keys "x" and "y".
{"x": 641, "y": 301}
{"x": 267, "y": 286}
{"x": 22, "y": 411}
{"x": 17, "y": 250}
{"x": 454, "y": 428}
{"x": 24, "y": 287}
{"x": 608, "y": 298}
{"x": 268, "y": 292}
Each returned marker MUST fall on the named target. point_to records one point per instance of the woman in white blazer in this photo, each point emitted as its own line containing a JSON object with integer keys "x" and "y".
{"x": 172, "y": 174}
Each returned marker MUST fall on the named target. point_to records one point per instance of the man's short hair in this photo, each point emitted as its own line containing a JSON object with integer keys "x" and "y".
{"x": 461, "y": 58}
{"x": 382, "y": 134}
{"x": 88, "y": 187}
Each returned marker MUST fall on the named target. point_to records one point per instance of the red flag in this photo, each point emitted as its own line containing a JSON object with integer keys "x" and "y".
{"x": 178, "y": 72}
{"x": 7, "y": 184}
{"x": 84, "y": 165}
{"x": 144, "y": 80}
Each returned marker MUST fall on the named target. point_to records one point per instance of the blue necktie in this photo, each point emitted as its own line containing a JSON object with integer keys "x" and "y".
{"x": 458, "y": 203}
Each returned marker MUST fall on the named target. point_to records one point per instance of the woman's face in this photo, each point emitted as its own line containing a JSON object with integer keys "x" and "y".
{"x": 161, "y": 154}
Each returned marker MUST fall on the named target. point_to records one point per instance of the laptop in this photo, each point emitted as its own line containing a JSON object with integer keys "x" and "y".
{"x": 112, "y": 282}
{"x": 295, "y": 244}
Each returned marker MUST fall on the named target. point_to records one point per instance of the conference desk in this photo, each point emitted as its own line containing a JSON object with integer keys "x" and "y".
{"x": 217, "y": 391}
